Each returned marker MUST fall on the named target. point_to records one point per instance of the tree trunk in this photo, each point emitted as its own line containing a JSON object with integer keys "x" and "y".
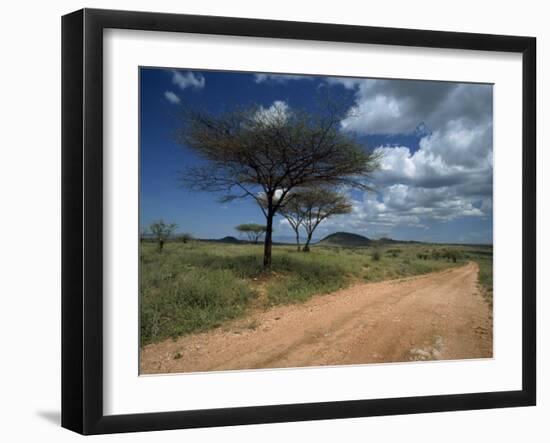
{"x": 306, "y": 246}
{"x": 161, "y": 245}
{"x": 297, "y": 240}
{"x": 268, "y": 241}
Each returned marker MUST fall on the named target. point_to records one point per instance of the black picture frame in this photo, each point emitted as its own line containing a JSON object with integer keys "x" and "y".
{"x": 82, "y": 218}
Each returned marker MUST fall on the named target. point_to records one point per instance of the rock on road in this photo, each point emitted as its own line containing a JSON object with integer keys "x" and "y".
{"x": 438, "y": 316}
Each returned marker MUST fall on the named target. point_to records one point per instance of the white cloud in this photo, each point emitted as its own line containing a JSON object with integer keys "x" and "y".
{"x": 399, "y": 166}
{"x": 460, "y": 143}
{"x": 171, "y": 97}
{"x": 402, "y": 205}
{"x": 276, "y": 114}
{"x": 347, "y": 82}
{"x": 459, "y": 154}
{"x": 188, "y": 79}
{"x": 398, "y": 106}
{"x": 446, "y": 175}
{"x": 279, "y": 78}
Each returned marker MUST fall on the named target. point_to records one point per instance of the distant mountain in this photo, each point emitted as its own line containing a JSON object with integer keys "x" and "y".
{"x": 345, "y": 239}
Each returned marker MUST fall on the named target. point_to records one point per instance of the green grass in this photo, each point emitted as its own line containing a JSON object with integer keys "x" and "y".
{"x": 178, "y": 298}
{"x": 196, "y": 286}
{"x": 485, "y": 277}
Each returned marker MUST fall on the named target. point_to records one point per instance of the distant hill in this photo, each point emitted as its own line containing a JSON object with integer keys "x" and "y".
{"x": 390, "y": 241}
{"x": 345, "y": 239}
{"x": 229, "y": 239}
{"x": 349, "y": 240}
{"x": 235, "y": 241}
{"x": 386, "y": 240}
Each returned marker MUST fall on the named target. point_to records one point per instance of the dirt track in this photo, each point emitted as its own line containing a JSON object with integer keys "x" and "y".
{"x": 438, "y": 316}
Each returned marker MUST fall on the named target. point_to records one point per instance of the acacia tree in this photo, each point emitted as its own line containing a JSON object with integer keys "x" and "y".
{"x": 162, "y": 231}
{"x": 265, "y": 154}
{"x": 291, "y": 210}
{"x": 252, "y": 230}
{"x": 317, "y": 204}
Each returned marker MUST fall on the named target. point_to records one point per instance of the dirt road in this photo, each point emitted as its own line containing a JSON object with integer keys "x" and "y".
{"x": 437, "y": 316}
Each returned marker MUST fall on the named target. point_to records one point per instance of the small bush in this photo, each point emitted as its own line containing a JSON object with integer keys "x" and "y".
{"x": 185, "y": 238}
{"x": 394, "y": 252}
{"x": 376, "y": 255}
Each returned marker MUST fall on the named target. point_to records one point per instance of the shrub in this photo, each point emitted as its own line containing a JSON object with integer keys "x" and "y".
{"x": 185, "y": 238}
{"x": 394, "y": 252}
{"x": 191, "y": 300}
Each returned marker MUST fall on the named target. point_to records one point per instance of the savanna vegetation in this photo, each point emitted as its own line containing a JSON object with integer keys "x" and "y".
{"x": 293, "y": 164}
{"x": 484, "y": 258}
{"x": 273, "y": 157}
{"x": 253, "y": 231}
{"x": 196, "y": 285}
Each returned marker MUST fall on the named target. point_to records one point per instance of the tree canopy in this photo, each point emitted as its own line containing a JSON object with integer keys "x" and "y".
{"x": 265, "y": 154}
{"x": 309, "y": 207}
{"x": 252, "y": 230}
{"x": 162, "y": 231}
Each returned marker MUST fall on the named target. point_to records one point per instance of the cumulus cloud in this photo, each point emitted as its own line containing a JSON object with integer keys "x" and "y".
{"x": 461, "y": 143}
{"x": 277, "y": 113}
{"x": 442, "y": 204}
{"x": 171, "y": 97}
{"x": 398, "y": 106}
{"x": 404, "y": 206}
{"x": 449, "y": 174}
{"x": 446, "y": 158}
{"x": 188, "y": 79}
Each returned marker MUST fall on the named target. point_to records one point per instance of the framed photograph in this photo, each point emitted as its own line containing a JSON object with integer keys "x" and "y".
{"x": 269, "y": 221}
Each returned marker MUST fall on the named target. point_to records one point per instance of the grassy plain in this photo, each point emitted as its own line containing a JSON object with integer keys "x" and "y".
{"x": 196, "y": 286}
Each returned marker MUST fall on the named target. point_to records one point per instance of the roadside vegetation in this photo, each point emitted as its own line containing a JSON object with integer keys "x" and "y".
{"x": 484, "y": 258}
{"x": 194, "y": 286}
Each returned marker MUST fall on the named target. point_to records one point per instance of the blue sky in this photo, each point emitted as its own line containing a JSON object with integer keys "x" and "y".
{"x": 435, "y": 183}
